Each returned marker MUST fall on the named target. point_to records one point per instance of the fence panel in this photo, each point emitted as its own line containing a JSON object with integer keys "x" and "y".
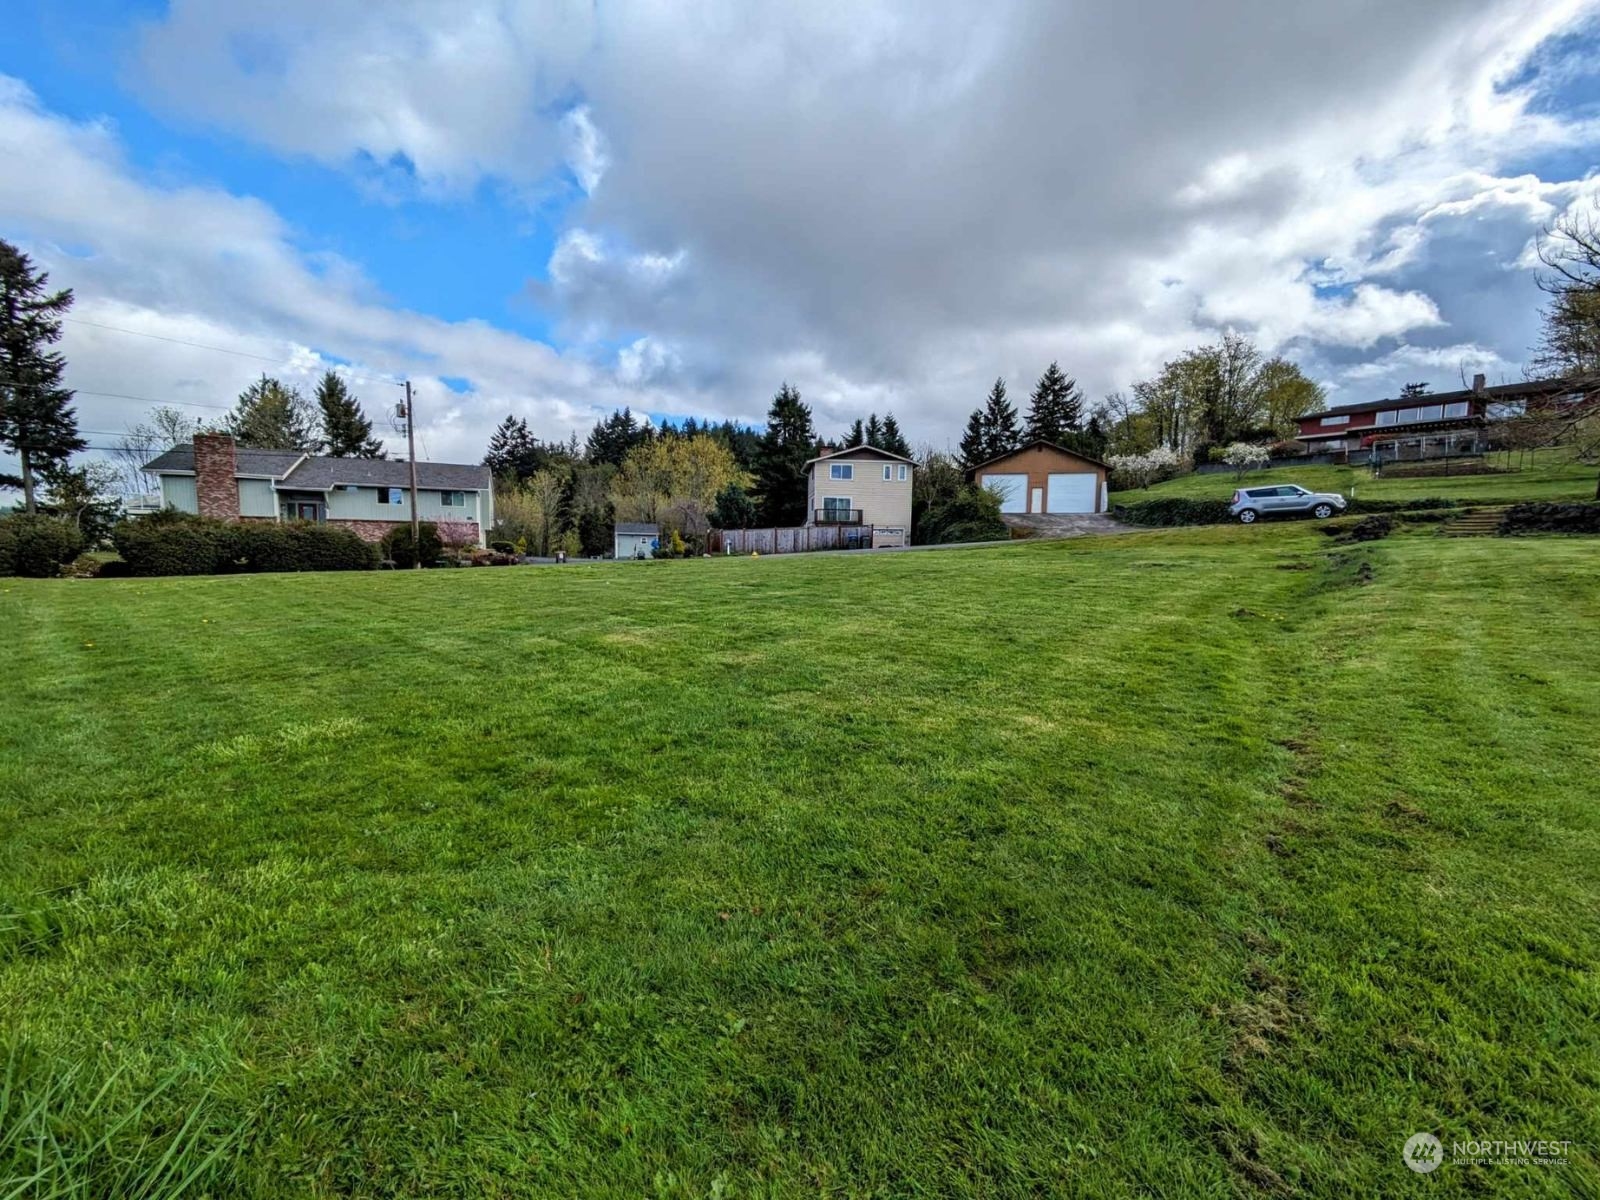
{"x": 793, "y": 539}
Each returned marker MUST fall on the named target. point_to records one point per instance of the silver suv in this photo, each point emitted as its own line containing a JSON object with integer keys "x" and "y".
{"x": 1289, "y": 499}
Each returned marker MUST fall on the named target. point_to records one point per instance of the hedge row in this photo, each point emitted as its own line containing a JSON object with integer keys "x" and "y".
{"x": 37, "y": 546}
{"x": 1174, "y": 510}
{"x": 179, "y": 544}
{"x": 1551, "y": 518}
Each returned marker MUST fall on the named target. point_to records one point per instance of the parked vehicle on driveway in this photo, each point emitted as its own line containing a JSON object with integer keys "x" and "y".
{"x": 1284, "y": 500}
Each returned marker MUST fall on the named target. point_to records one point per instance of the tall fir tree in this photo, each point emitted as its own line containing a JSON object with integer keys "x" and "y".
{"x": 893, "y": 440}
{"x": 271, "y": 416}
{"x": 974, "y": 441}
{"x": 789, "y": 442}
{"x": 857, "y": 435}
{"x": 874, "y": 431}
{"x": 1056, "y": 407}
{"x": 999, "y": 423}
{"x": 37, "y": 421}
{"x": 614, "y": 436}
{"x": 346, "y": 431}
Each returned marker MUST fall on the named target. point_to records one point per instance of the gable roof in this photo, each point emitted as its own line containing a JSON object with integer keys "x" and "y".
{"x": 318, "y": 473}
{"x": 1536, "y": 387}
{"x": 854, "y": 452}
{"x": 247, "y": 461}
{"x": 635, "y": 527}
{"x": 1034, "y": 445}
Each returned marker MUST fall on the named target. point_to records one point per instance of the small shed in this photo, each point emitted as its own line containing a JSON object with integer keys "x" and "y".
{"x": 631, "y": 539}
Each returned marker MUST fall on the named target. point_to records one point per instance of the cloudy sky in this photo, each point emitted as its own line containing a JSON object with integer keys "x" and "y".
{"x": 555, "y": 208}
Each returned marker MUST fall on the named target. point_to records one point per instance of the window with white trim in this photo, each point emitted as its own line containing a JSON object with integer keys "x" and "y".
{"x": 841, "y": 471}
{"x": 453, "y": 499}
{"x": 1459, "y": 409}
{"x": 904, "y": 473}
{"x": 888, "y": 472}
{"x": 1386, "y": 418}
{"x": 1344, "y": 420}
{"x": 389, "y": 495}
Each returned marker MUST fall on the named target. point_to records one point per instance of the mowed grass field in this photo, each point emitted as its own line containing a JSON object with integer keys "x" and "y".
{"x": 1545, "y": 475}
{"x": 1193, "y": 863}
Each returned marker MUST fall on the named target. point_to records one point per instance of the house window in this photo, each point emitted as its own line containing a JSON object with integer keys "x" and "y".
{"x": 388, "y": 495}
{"x": 1459, "y": 409}
{"x": 1432, "y": 413}
{"x": 836, "y": 504}
{"x": 1344, "y": 420}
{"x": 888, "y": 472}
{"x": 841, "y": 471}
{"x": 453, "y": 499}
{"x": 904, "y": 471}
{"x": 1386, "y": 418}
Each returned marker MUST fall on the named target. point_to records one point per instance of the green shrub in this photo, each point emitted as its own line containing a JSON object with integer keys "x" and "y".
{"x": 1551, "y": 518}
{"x": 37, "y": 546}
{"x": 1174, "y": 510}
{"x": 174, "y": 543}
{"x": 397, "y": 545}
{"x": 302, "y": 546}
{"x": 1177, "y": 510}
{"x": 971, "y": 515}
{"x": 184, "y": 544}
{"x": 500, "y": 545}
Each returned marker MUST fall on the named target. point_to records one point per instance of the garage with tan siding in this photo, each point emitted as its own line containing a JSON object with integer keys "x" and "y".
{"x": 1042, "y": 477}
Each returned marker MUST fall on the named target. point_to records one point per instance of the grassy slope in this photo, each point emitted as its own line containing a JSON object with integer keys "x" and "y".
{"x": 1554, "y": 476}
{"x": 1140, "y": 865}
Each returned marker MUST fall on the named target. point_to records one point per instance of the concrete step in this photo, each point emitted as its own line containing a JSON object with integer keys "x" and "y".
{"x": 1483, "y": 522}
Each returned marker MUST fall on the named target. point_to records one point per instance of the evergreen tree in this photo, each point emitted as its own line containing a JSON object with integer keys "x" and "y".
{"x": 874, "y": 431}
{"x": 1056, "y": 407}
{"x": 1412, "y": 390}
{"x": 613, "y": 437}
{"x": 270, "y": 416}
{"x": 789, "y": 442}
{"x": 857, "y": 435}
{"x": 37, "y": 422}
{"x": 734, "y": 509}
{"x": 974, "y": 442}
{"x": 345, "y": 428}
{"x": 997, "y": 425}
{"x": 893, "y": 440}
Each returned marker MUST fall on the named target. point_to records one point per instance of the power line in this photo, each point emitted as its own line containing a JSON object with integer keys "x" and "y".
{"x": 126, "y": 396}
{"x": 161, "y": 337}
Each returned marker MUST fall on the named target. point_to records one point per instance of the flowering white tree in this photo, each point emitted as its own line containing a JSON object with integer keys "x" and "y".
{"x": 1141, "y": 470}
{"x": 1243, "y": 456}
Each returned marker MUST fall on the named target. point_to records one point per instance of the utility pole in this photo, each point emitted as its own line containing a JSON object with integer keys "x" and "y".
{"x": 411, "y": 450}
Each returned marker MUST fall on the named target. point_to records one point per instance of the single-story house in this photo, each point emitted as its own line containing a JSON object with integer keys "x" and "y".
{"x": 634, "y": 539}
{"x": 865, "y": 486}
{"x": 216, "y": 478}
{"x": 1042, "y": 477}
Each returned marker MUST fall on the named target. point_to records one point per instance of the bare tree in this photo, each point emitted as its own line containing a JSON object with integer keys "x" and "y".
{"x": 165, "y": 428}
{"x": 1570, "y": 343}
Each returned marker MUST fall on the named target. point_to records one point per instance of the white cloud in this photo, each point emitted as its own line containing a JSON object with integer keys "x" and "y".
{"x": 886, "y": 203}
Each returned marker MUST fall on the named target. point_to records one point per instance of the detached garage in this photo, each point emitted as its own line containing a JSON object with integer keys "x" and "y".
{"x": 1043, "y": 477}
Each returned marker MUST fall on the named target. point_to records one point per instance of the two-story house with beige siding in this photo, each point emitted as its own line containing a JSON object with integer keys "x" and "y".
{"x": 862, "y": 486}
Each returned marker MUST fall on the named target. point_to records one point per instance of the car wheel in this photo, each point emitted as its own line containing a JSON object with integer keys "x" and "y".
{"x": 1247, "y": 516}
{"x": 1322, "y": 511}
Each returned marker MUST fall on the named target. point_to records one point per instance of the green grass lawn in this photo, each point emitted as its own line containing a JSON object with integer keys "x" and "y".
{"x": 1181, "y": 864}
{"x": 1549, "y": 475}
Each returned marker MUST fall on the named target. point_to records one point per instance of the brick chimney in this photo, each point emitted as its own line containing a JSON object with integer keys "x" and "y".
{"x": 1478, "y": 381}
{"x": 216, "y": 470}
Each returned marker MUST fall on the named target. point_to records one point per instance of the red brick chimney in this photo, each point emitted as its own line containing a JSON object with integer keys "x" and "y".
{"x": 216, "y": 470}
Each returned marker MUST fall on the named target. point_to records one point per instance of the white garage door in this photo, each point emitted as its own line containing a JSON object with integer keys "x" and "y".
{"x": 1072, "y": 493}
{"x": 1013, "y": 491}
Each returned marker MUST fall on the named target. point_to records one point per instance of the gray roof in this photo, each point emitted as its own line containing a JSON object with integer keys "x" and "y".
{"x": 637, "y": 527}
{"x": 250, "y": 462}
{"x": 319, "y": 473}
{"x": 1501, "y": 391}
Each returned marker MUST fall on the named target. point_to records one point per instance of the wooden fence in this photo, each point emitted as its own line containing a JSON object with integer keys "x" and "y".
{"x": 792, "y": 540}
